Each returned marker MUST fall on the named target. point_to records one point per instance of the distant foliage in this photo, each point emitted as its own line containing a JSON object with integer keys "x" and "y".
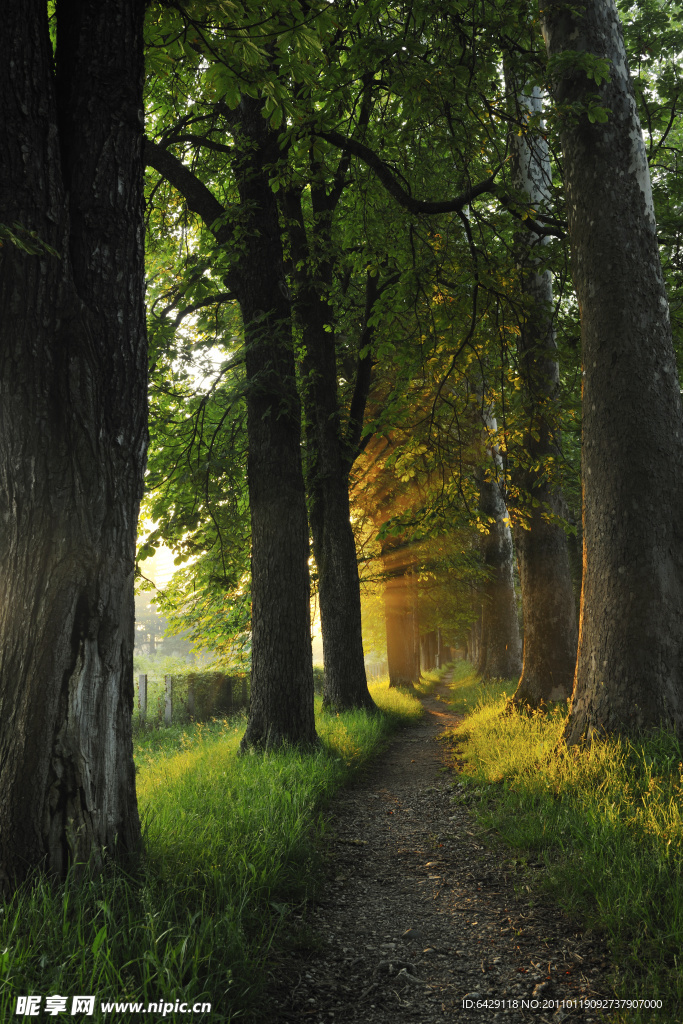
{"x": 318, "y": 678}
{"x": 197, "y": 695}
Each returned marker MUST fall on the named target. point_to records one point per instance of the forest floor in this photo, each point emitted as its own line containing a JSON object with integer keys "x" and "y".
{"x": 423, "y": 914}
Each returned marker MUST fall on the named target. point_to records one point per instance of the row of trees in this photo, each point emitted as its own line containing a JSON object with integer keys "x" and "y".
{"x": 356, "y": 208}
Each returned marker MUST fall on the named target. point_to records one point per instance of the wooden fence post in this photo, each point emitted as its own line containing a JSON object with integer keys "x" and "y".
{"x": 168, "y": 711}
{"x": 190, "y": 700}
{"x": 142, "y": 695}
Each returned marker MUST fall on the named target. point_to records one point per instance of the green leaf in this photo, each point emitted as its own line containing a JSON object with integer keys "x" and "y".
{"x": 98, "y": 940}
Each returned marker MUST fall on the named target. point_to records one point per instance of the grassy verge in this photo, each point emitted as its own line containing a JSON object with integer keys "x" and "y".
{"x": 606, "y": 820}
{"x": 230, "y": 846}
{"x": 430, "y": 680}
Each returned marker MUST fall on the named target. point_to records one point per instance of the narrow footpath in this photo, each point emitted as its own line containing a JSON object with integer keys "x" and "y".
{"x": 420, "y": 921}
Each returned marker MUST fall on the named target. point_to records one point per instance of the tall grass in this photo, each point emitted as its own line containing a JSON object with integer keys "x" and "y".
{"x": 606, "y": 819}
{"x": 231, "y": 844}
{"x": 429, "y": 680}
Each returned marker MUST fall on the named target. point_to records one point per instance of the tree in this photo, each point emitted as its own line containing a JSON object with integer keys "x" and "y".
{"x": 550, "y": 632}
{"x": 281, "y": 707}
{"x": 308, "y": 179}
{"x": 401, "y": 615}
{"x": 500, "y": 644}
{"x": 628, "y": 675}
{"x": 332, "y": 445}
{"x": 73, "y": 429}
{"x": 547, "y": 596}
{"x": 289, "y": 173}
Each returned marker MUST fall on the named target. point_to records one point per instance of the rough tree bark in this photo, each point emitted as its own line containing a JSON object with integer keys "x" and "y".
{"x": 500, "y": 652}
{"x": 281, "y": 707}
{"x": 628, "y": 675}
{"x": 73, "y": 431}
{"x": 550, "y": 637}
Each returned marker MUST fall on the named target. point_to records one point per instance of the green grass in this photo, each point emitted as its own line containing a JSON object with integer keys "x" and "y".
{"x": 231, "y": 845}
{"x": 430, "y": 680}
{"x": 606, "y": 820}
{"x": 467, "y": 689}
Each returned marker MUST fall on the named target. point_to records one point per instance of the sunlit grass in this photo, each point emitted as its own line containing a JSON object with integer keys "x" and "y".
{"x": 607, "y": 820}
{"x": 431, "y": 679}
{"x": 467, "y": 689}
{"x": 210, "y": 813}
{"x": 231, "y": 844}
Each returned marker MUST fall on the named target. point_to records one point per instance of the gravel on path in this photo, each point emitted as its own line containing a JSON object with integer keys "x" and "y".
{"x": 421, "y": 920}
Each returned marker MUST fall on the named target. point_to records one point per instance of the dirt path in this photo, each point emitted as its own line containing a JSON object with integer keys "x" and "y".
{"x": 418, "y": 916}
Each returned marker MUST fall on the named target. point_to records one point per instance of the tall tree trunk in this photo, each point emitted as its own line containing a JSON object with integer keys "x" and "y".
{"x": 401, "y": 616}
{"x": 334, "y": 548}
{"x": 500, "y": 653}
{"x": 575, "y": 551}
{"x": 474, "y": 641}
{"x": 428, "y": 651}
{"x": 628, "y": 675}
{"x": 334, "y": 545}
{"x": 73, "y": 431}
{"x": 281, "y": 707}
{"x": 550, "y": 636}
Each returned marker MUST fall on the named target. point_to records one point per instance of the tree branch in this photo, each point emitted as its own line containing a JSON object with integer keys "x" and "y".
{"x": 200, "y": 140}
{"x": 212, "y": 300}
{"x": 355, "y": 444}
{"x": 339, "y": 180}
{"x": 530, "y": 223}
{"x": 395, "y": 189}
{"x": 455, "y": 205}
{"x": 197, "y": 196}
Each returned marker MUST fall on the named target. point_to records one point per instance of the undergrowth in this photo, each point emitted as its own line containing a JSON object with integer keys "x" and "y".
{"x": 429, "y": 680}
{"x": 207, "y": 681}
{"x": 231, "y": 845}
{"x": 606, "y": 819}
